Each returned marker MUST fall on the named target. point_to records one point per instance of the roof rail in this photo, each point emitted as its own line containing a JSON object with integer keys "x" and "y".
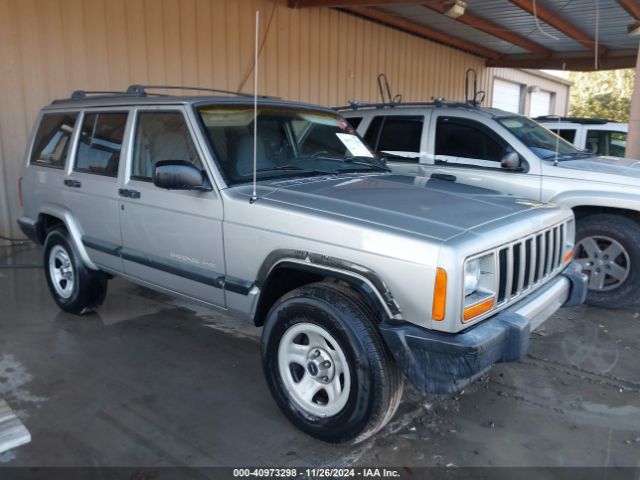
{"x": 581, "y": 120}
{"x": 142, "y": 90}
{"x": 78, "y": 94}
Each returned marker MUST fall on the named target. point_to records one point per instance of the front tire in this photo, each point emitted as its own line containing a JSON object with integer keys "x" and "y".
{"x": 608, "y": 248}
{"x": 74, "y": 287}
{"x": 327, "y": 366}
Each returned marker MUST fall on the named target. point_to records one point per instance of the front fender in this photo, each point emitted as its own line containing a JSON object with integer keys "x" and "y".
{"x": 592, "y": 198}
{"x": 372, "y": 285}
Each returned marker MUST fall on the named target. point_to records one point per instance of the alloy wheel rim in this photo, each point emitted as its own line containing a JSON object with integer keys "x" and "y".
{"x": 61, "y": 271}
{"x": 605, "y": 260}
{"x": 314, "y": 369}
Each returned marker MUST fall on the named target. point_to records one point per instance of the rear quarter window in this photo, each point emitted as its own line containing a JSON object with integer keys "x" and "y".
{"x": 52, "y": 139}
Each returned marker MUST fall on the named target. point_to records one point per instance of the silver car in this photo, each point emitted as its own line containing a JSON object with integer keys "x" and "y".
{"x": 509, "y": 153}
{"x": 360, "y": 277}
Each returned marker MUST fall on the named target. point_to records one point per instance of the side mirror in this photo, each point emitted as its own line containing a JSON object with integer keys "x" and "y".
{"x": 180, "y": 175}
{"x": 511, "y": 161}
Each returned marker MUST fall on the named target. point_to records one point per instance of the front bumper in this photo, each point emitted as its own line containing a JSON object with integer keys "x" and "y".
{"x": 440, "y": 362}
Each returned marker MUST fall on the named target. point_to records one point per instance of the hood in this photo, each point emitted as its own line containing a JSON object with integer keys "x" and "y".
{"x": 433, "y": 208}
{"x": 624, "y": 171}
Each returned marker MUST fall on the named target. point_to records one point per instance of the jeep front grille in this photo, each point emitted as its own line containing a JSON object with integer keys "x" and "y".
{"x": 529, "y": 262}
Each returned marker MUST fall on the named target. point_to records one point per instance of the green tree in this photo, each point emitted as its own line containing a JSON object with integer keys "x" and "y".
{"x": 604, "y": 94}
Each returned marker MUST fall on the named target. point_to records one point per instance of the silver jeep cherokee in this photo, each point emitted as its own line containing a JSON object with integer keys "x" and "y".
{"x": 358, "y": 276}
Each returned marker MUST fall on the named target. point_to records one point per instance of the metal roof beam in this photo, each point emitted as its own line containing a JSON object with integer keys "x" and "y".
{"x": 423, "y": 31}
{"x": 346, "y": 3}
{"x": 553, "y": 19}
{"x": 632, "y": 7}
{"x": 582, "y": 63}
{"x": 492, "y": 29}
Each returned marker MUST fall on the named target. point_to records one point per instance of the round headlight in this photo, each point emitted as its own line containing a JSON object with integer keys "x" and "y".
{"x": 471, "y": 276}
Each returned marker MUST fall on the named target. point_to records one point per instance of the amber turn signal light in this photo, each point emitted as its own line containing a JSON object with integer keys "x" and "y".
{"x": 478, "y": 309}
{"x": 567, "y": 256}
{"x": 439, "y": 295}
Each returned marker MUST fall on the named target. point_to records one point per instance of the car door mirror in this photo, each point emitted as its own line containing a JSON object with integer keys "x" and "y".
{"x": 180, "y": 175}
{"x": 511, "y": 161}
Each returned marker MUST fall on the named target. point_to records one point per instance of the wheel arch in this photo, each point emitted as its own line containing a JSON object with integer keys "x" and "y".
{"x": 582, "y": 211}
{"x": 52, "y": 215}
{"x": 284, "y": 271}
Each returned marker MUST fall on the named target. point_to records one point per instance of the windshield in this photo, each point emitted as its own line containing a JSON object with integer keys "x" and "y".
{"x": 291, "y": 142}
{"x": 541, "y": 141}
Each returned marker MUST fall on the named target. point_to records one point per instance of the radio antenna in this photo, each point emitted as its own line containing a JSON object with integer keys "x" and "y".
{"x": 254, "y": 196}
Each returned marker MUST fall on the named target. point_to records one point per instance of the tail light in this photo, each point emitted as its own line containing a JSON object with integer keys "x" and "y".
{"x": 20, "y": 192}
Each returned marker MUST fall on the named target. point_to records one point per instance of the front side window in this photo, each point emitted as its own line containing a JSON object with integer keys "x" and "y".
{"x": 606, "y": 142}
{"x": 460, "y": 138}
{"x": 290, "y": 142}
{"x": 100, "y": 143}
{"x": 396, "y": 135}
{"x": 161, "y": 136}
{"x": 51, "y": 143}
{"x": 542, "y": 142}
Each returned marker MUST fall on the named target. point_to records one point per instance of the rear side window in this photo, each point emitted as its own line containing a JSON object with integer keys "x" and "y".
{"x": 51, "y": 144}
{"x": 354, "y": 121}
{"x": 396, "y": 135}
{"x": 161, "y": 136}
{"x": 569, "y": 134}
{"x": 100, "y": 143}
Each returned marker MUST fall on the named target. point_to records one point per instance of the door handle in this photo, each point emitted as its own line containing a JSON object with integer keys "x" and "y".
{"x": 73, "y": 183}
{"x": 125, "y": 192}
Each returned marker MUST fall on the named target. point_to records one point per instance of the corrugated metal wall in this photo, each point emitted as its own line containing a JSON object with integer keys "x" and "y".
{"x": 50, "y": 47}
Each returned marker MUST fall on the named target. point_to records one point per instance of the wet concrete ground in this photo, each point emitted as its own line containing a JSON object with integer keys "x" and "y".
{"x": 152, "y": 381}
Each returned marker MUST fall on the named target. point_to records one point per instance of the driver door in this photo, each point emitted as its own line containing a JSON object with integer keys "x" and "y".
{"x": 172, "y": 239}
{"x": 472, "y": 153}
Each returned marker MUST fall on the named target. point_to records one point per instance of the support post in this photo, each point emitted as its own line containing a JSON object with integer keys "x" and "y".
{"x": 633, "y": 137}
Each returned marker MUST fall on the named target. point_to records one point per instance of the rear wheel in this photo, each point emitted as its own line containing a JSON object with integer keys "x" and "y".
{"x": 74, "y": 287}
{"x": 608, "y": 248}
{"x": 327, "y": 366}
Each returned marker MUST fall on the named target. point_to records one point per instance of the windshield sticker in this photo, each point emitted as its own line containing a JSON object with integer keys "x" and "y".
{"x": 354, "y": 145}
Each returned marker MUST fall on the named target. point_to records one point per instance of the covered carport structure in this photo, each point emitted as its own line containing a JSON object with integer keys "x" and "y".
{"x": 581, "y": 35}
{"x": 319, "y": 51}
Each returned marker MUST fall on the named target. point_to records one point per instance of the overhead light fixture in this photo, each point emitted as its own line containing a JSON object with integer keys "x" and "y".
{"x": 634, "y": 29}
{"x": 454, "y": 8}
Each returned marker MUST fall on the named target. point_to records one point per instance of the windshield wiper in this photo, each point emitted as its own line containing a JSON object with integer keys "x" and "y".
{"x": 277, "y": 168}
{"x": 381, "y": 168}
{"x": 568, "y": 155}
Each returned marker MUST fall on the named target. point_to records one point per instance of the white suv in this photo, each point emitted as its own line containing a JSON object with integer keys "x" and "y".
{"x": 503, "y": 151}
{"x": 600, "y": 137}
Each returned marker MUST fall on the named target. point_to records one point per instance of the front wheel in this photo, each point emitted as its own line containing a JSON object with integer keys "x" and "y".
{"x": 327, "y": 366}
{"x": 608, "y": 248}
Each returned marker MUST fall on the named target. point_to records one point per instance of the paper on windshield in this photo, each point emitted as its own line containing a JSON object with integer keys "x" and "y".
{"x": 354, "y": 145}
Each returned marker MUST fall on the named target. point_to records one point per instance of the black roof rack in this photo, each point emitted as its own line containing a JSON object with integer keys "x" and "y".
{"x": 142, "y": 90}
{"x": 437, "y": 102}
{"x": 581, "y": 120}
{"x": 137, "y": 90}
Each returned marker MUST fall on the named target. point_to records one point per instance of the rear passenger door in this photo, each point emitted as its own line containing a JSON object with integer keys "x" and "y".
{"x": 91, "y": 185}
{"x": 171, "y": 238}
